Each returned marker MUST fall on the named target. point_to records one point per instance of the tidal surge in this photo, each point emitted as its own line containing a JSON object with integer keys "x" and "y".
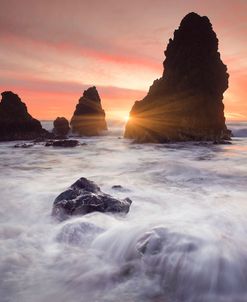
{"x": 183, "y": 240}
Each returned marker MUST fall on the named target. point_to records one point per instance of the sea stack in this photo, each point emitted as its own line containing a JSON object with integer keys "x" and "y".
{"x": 61, "y": 127}
{"x": 15, "y": 121}
{"x": 89, "y": 117}
{"x": 186, "y": 102}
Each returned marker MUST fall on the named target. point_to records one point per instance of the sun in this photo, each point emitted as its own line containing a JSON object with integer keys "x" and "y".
{"x": 126, "y": 118}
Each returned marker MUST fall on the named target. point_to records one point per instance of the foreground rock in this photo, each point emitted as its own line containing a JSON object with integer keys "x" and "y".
{"x": 83, "y": 197}
{"x": 89, "y": 117}
{"x": 66, "y": 143}
{"x": 186, "y": 102}
{"x": 15, "y": 121}
{"x": 61, "y": 127}
{"x": 159, "y": 238}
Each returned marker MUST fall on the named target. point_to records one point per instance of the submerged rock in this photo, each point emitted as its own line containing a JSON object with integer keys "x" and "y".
{"x": 78, "y": 233}
{"x": 159, "y": 238}
{"x": 89, "y": 117}
{"x": 83, "y": 197}
{"x": 15, "y": 121}
{"x": 66, "y": 143}
{"x": 186, "y": 102}
{"x": 61, "y": 127}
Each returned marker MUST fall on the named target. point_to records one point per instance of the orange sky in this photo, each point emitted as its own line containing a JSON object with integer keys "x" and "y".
{"x": 52, "y": 50}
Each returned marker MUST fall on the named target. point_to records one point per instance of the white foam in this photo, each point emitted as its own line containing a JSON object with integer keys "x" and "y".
{"x": 197, "y": 194}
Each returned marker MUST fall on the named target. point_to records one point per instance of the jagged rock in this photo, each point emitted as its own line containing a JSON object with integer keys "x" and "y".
{"x": 66, "y": 143}
{"x": 15, "y": 121}
{"x": 61, "y": 127}
{"x": 89, "y": 117}
{"x": 186, "y": 102}
{"x": 83, "y": 197}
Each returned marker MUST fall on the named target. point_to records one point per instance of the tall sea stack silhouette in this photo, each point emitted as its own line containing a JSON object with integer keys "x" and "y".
{"x": 15, "y": 121}
{"x": 89, "y": 117}
{"x": 186, "y": 102}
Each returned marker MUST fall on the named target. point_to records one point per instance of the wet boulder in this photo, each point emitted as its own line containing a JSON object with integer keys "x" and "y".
{"x": 83, "y": 197}
{"x": 61, "y": 127}
{"x": 89, "y": 116}
{"x": 15, "y": 121}
{"x": 189, "y": 266}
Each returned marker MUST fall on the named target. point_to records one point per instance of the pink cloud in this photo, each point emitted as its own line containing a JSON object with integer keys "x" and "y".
{"x": 48, "y": 99}
{"x": 123, "y": 40}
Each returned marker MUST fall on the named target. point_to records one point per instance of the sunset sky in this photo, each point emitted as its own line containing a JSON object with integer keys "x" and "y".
{"x": 50, "y": 51}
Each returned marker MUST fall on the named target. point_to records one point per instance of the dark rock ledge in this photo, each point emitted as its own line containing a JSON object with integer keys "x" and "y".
{"x": 65, "y": 143}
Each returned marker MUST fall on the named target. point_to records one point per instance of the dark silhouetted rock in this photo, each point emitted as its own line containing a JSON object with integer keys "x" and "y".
{"x": 89, "y": 117}
{"x": 24, "y": 146}
{"x": 66, "y": 143}
{"x": 61, "y": 127}
{"x": 120, "y": 188}
{"x": 83, "y": 197}
{"x": 222, "y": 142}
{"x": 117, "y": 187}
{"x": 15, "y": 121}
{"x": 186, "y": 102}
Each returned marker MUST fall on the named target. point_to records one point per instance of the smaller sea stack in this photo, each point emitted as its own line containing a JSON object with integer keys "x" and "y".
{"x": 89, "y": 117}
{"x": 61, "y": 127}
{"x": 15, "y": 121}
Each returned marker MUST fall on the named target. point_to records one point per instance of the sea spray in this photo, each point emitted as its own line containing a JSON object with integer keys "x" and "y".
{"x": 184, "y": 238}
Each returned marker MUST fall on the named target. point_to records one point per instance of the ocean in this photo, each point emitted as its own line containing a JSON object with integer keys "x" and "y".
{"x": 184, "y": 239}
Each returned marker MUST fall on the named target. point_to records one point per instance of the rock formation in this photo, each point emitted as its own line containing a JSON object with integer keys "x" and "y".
{"x": 15, "y": 121}
{"x": 89, "y": 117}
{"x": 186, "y": 102}
{"x": 65, "y": 143}
{"x": 61, "y": 127}
{"x": 83, "y": 197}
